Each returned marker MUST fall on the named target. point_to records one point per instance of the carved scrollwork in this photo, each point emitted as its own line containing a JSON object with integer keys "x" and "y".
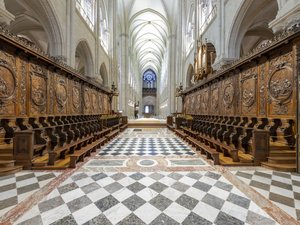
{"x": 248, "y": 97}
{"x": 228, "y": 94}
{"x": 87, "y": 100}
{"x": 199, "y": 102}
{"x": 205, "y": 99}
{"x": 38, "y": 90}
{"x": 76, "y": 97}
{"x": 94, "y": 101}
{"x": 7, "y": 82}
{"x": 100, "y": 102}
{"x": 38, "y": 86}
{"x": 61, "y": 93}
{"x": 215, "y": 98}
{"x": 249, "y": 87}
{"x": 280, "y": 85}
{"x": 192, "y": 106}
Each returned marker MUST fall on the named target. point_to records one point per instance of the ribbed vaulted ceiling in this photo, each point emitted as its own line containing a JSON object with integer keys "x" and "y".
{"x": 148, "y": 33}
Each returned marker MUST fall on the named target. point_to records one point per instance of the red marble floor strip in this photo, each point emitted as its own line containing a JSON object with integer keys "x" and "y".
{"x": 269, "y": 207}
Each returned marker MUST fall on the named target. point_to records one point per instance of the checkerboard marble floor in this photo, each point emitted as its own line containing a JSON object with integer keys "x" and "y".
{"x": 133, "y": 196}
{"x": 146, "y": 198}
{"x": 17, "y": 187}
{"x": 164, "y": 146}
{"x": 281, "y": 188}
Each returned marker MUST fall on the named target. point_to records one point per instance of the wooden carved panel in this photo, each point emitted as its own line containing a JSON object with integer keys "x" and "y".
{"x": 187, "y": 104}
{"x": 262, "y": 98}
{"x": 205, "y": 101}
{"x": 38, "y": 84}
{"x": 228, "y": 96}
{"x": 100, "y": 102}
{"x": 198, "y": 103}
{"x": 106, "y": 104}
{"x": 22, "y": 77}
{"x": 8, "y": 86}
{"x": 214, "y": 109}
{"x": 193, "y": 104}
{"x": 87, "y": 100}
{"x": 281, "y": 85}
{"x": 249, "y": 91}
{"x": 61, "y": 94}
{"x": 95, "y": 105}
{"x": 76, "y": 98}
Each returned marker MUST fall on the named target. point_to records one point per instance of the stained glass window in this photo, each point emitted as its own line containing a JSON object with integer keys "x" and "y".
{"x": 87, "y": 11}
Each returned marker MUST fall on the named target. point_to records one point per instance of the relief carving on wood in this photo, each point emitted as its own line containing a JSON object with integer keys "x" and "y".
{"x": 187, "y": 105}
{"x": 100, "y": 101}
{"x": 38, "y": 88}
{"x": 105, "y": 103}
{"x": 8, "y": 85}
{"x": 215, "y": 99}
{"x": 61, "y": 94}
{"x": 87, "y": 99}
{"x": 193, "y": 104}
{"x": 228, "y": 93}
{"x": 198, "y": 103}
{"x": 94, "y": 102}
{"x": 205, "y": 99}
{"x": 248, "y": 91}
{"x": 262, "y": 96}
{"x": 23, "y": 88}
{"x": 76, "y": 97}
{"x": 281, "y": 84}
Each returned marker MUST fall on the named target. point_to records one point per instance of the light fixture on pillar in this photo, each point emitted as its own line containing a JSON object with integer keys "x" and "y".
{"x": 179, "y": 90}
{"x": 179, "y": 93}
{"x": 113, "y": 92}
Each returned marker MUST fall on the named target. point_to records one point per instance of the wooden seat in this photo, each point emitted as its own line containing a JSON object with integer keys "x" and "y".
{"x": 180, "y": 133}
{"x": 219, "y": 146}
{"x": 86, "y": 151}
{"x": 208, "y": 151}
{"x": 123, "y": 127}
{"x": 112, "y": 134}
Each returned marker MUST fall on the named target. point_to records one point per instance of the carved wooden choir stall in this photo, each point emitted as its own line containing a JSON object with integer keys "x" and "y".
{"x": 245, "y": 114}
{"x": 50, "y": 115}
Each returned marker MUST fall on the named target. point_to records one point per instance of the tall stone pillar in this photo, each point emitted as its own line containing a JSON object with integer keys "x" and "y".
{"x": 288, "y": 13}
{"x": 124, "y": 70}
{"x": 71, "y": 48}
{"x": 5, "y": 16}
{"x": 171, "y": 73}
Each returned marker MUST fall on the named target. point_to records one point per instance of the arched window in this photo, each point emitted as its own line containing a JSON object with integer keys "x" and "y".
{"x": 104, "y": 31}
{"x": 87, "y": 11}
{"x": 207, "y": 11}
{"x": 149, "y": 79}
{"x": 190, "y": 29}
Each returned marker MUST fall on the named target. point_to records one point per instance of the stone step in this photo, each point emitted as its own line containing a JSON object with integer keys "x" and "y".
{"x": 282, "y": 160}
{"x": 280, "y": 167}
{"x": 280, "y": 148}
{"x": 6, "y": 156}
{"x": 7, "y": 163}
{"x": 10, "y": 170}
{"x": 6, "y": 148}
{"x": 283, "y": 153}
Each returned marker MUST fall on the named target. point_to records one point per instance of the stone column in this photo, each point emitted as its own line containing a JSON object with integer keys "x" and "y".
{"x": 298, "y": 106}
{"x": 5, "y": 16}
{"x": 171, "y": 73}
{"x": 124, "y": 41}
{"x": 71, "y": 10}
{"x": 288, "y": 13}
{"x": 97, "y": 42}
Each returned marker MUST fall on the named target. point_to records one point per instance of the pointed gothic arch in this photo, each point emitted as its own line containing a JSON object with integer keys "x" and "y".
{"x": 104, "y": 74}
{"x": 84, "y": 59}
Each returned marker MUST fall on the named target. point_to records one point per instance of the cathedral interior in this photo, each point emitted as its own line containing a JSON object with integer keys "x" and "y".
{"x": 160, "y": 112}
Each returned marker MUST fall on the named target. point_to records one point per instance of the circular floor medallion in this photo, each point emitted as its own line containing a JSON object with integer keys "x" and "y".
{"x": 147, "y": 162}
